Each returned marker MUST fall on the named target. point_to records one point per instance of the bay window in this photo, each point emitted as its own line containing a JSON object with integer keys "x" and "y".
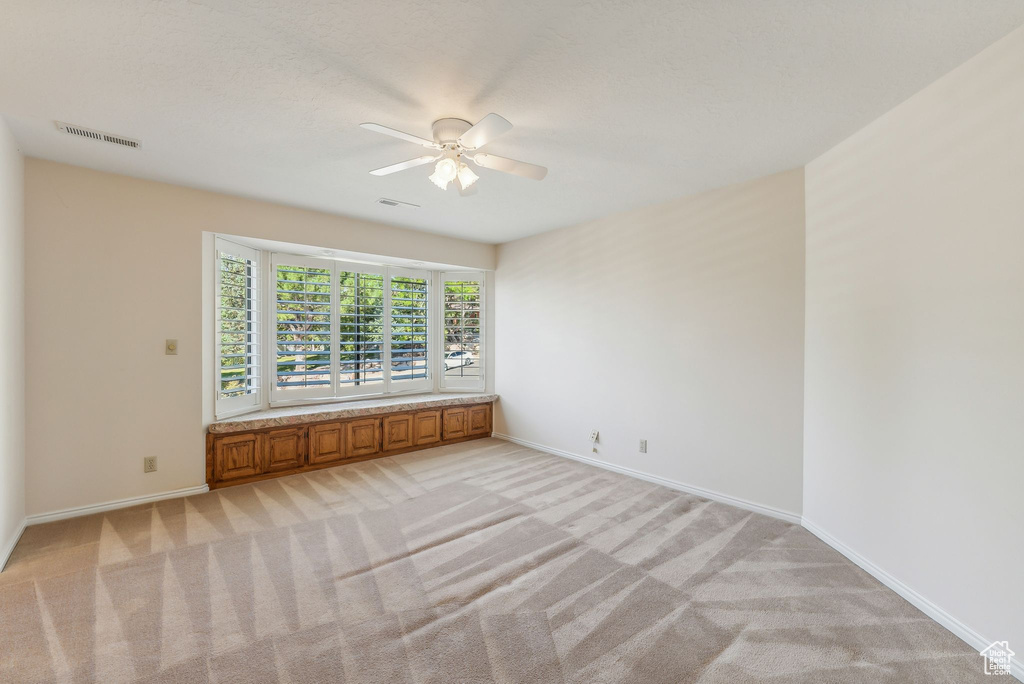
{"x": 237, "y": 329}
{"x": 462, "y": 316}
{"x": 339, "y": 329}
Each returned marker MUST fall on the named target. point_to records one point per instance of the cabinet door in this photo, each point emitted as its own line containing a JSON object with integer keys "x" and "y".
{"x": 480, "y": 419}
{"x": 362, "y": 437}
{"x": 398, "y": 431}
{"x": 284, "y": 449}
{"x": 455, "y": 423}
{"x": 326, "y": 442}
{"x": 236, "y": 456}
{"x": 426, "y": 427}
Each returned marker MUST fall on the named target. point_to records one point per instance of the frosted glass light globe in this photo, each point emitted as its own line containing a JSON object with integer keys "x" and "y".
{"x": 466, "y": 176}
{"x": 444, "y": 173}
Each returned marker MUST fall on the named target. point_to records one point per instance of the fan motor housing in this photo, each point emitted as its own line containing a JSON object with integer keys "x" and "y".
{"x": 448, "y": 131}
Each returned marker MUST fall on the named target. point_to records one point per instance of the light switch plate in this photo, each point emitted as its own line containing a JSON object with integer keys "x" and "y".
{"x": 171, "y": 347}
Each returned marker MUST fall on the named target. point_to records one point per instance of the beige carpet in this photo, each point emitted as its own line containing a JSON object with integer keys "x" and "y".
{"x": 476, "y": 562}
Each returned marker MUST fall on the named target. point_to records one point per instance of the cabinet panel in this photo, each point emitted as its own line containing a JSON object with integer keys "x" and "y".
{"x": 480, "y": 419}
{"x": 284, "y": 449}
{"x": 326, "y": 442}
{"x": 455, "y": 422}
{"x": 362, "y": 437}
{"x": 397, "y": 431}
{"x": 426, "y": 427}
{"x": 236, "y": 456}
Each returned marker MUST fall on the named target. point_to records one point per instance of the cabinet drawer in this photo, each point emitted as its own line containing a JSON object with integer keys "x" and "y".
{"x": 398, "y": 431}
{"x": 480, "y": 419}
{"x": 236, "y": 456}
{"x": 326, "y": 442}
{"x": 362, "y": 437}
{"x": 426, "y": 427}
{"x": 284, "y": 449}
{"x": 456, "y": 422}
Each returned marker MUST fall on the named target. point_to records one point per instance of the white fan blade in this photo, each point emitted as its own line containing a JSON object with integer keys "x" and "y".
{"x": 402, "y": 166}
{"x": 409, "y": 137}
{"x": 492, "y": 161}
{"x": 485, "y": 130}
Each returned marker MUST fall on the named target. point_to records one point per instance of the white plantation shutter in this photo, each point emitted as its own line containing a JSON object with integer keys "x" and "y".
{"x": 409, "y": 332}
{"x": 328, "y": 329}
{"x": 304, "y": 326}
{"x": 238, "y": 327}
{"x": 462, "y": 362}
{"x": 362, "y": 304}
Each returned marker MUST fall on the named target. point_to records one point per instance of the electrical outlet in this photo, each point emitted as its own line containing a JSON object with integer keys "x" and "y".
{"x": 149, "y": 464}
{"x": 643, "y": 446}
{"x": 594, "y": 435}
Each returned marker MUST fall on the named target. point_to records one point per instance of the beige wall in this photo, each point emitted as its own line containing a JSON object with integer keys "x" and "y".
{"x": 114, "y": 266}
{"x": 915, "y": 343}
{"x": 681, "y": 323}
{"x": 12, "y": 342}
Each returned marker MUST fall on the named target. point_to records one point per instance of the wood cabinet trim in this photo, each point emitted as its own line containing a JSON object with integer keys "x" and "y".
{"x": 397, "y": 431}
{"x": 373, "y": 441}
{"x": 318, "y": 435}
{"x": 427, "y": 427}
{"x": 297, "y": 449}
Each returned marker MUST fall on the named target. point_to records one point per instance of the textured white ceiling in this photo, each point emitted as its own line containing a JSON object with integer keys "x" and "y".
{"x": 628, "y": 103}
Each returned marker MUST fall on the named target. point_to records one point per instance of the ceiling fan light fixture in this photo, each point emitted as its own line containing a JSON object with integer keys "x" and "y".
{"x": 455, "y": 139}
{"x": 466, "y": 176}
{"x": 444, "y": 173}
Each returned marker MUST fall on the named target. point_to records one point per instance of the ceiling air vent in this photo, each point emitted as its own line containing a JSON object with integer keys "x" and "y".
{"x": 396, "y": 203}
{"x": 98, "y": 135}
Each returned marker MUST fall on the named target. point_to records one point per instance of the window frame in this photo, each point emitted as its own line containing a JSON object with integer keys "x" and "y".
{"x": 456, "y": 384}
{"x": 265, "y": 306}
{"x": 283, "y": 397}
{"x": 372, "y": 389}
{"x": 250, "y": 401}
{"x": 419, "y": 385}
{"x": 335, "y": 392}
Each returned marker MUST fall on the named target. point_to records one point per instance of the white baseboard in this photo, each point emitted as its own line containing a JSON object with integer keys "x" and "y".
{"x": 671, "y": 484}
{"x": 958, "y": 628}
{"x": 8, "y": 547}
{"x": 111, "y": 505}
{"x": 968, "y": 635}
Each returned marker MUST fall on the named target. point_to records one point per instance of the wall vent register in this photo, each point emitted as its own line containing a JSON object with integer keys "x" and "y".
{"x": 99, "y": 136}
{"x": 396, "y": 203}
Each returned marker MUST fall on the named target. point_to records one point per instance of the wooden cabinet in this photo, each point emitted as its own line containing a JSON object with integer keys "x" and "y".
{"x": 362, "y": 437}
{"x": 398, "y": 431}
{"x": 479, "y": 420}
{"x": 236, "y": 456}
{"x": 284, "y": 449}
{"x": 426, "y": 427}
{"x": 455, "y": 422}
{"x": 257, "y": 454}
{"x": 326, "y": 443}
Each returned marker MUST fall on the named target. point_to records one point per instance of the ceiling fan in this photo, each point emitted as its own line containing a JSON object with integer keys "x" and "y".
{"x": 455, "y": 141}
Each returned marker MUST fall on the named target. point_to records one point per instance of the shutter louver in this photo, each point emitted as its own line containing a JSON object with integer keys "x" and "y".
{"x": 409, "y": 362}
{"x": 238, "y": 327}
{"x": 303, "y": 296}
{"x": 463, "y": 331}
{"x": 360, "y": 330}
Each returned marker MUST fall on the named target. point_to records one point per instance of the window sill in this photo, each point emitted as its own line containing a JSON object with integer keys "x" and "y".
{"x": 351, "y": 399}
{"x": 291, "y": 415}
